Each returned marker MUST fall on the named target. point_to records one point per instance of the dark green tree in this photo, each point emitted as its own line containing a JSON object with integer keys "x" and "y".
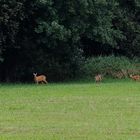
{"x": 53, "y": 36}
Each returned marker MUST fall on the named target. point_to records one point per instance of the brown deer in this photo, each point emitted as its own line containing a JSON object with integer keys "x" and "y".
{"x": 40, "y": 78}
{"x": 135, "y": 77}
{"x": 98, "y": 78}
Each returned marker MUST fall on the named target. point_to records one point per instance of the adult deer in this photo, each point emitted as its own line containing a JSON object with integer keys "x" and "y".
{"x": 40, "y": 78}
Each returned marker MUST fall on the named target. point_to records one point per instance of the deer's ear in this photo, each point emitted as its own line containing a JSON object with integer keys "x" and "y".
{"x": 34, "y": 73}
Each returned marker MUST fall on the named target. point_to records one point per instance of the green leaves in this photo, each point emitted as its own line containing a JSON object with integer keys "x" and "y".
{"x": 49, "y": 33}
{"x": 11, "y": 14}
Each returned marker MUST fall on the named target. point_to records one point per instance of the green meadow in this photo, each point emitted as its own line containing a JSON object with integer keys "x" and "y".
{"x": 70, "y": 111}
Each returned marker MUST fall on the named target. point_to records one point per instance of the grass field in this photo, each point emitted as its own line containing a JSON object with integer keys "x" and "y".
{"x": 72, "y": 111}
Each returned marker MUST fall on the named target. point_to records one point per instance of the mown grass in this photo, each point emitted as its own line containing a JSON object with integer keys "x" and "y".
{"x": 71, "y": 111}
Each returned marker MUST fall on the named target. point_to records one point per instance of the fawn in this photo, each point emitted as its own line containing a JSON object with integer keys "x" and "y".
{"x": 40, "y": 78}
{"x": 98, "y": 78}
{"x": 135, "y": 77}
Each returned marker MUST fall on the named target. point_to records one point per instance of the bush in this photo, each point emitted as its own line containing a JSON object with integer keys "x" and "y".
{"x": 115, "y": 67}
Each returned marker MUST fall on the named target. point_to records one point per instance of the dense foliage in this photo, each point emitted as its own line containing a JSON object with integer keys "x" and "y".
{"x": 54, "y": 36}
{"x": 110, "y": 66}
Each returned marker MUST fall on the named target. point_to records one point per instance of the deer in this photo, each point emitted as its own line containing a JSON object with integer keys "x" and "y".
{"x": 135, "y": 77}
{"x": 98, "y": 78}
{"x": 40, "y": 78}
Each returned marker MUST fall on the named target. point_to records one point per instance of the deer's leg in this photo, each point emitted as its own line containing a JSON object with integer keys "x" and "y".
{"x": 45, "y": 81}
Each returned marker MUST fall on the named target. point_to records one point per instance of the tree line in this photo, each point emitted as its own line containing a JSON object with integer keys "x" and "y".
{"x": 54, "y": 37}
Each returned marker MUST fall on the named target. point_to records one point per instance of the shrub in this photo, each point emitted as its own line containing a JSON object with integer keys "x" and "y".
{"x": 115, "y": 67}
